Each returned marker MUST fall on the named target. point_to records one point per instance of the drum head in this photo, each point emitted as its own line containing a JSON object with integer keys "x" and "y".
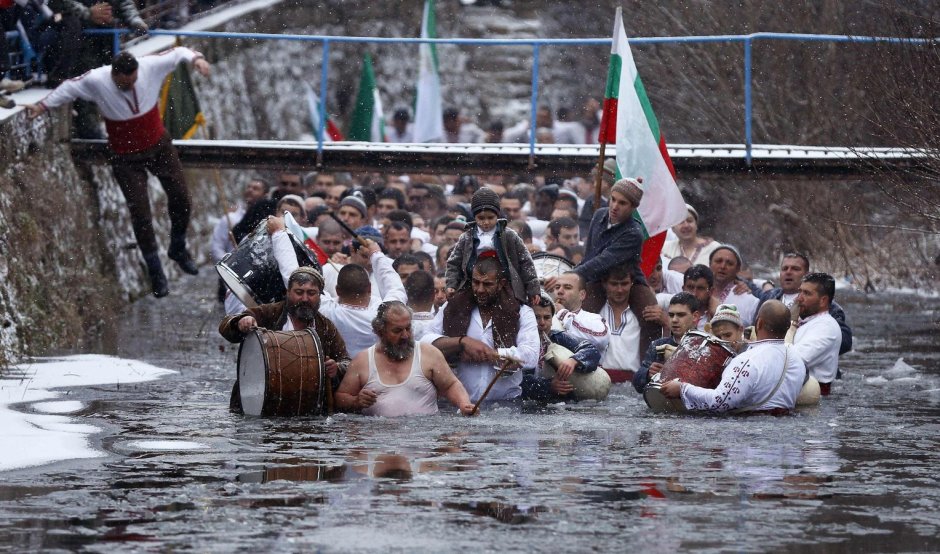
{"x": 234, "y": 284}
{"x": 550, "y": 265}
{"x": 252, "y": 374}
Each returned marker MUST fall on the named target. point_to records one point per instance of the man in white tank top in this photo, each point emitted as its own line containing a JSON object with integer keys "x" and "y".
{"x": 397, "y": 376}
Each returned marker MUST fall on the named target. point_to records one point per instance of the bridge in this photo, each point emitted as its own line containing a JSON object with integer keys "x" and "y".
{"x": 746, "y": 159}
{"x": 691, "y": 160}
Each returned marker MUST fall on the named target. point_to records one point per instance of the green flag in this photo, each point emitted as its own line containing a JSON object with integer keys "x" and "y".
{"x": 179, "y": 106}
{"x": 367, "y": 122}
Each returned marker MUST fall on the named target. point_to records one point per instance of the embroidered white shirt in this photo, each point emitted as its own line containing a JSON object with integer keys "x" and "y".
{"x": 623, "y": 348}
{"x": 749, "y": 378}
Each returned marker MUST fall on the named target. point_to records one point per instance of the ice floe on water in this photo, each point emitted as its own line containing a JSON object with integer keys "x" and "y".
{"x": 165, "y": 445}
{"x": 900, "y": 372}
{"x": 31, "y": 439}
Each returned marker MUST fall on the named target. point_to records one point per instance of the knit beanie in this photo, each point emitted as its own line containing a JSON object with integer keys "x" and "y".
{"x": 731, "y": 249}
{"x": 484, "y": 199}
{"x": 630, "y": 188}
{"x": 355, "y": 202}
{"x": 727, "y": 312}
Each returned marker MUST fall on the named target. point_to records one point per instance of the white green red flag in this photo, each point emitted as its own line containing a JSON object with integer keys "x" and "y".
{"x": 629, "y": 122}
{"x": 429, "y": 111}
{"x": 367, "y": 122}
{"x": 313, "y": 105}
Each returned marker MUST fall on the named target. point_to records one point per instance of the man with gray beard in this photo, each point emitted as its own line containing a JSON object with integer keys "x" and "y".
{"x": 300, "y": 310}
{"x": 394, "y": 378}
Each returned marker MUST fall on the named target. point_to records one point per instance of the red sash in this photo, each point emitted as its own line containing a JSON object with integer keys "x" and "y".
{"x": 137, "y": 134}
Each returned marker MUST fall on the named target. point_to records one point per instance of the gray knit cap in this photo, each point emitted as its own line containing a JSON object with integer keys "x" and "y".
{"x": 484, "y": 199}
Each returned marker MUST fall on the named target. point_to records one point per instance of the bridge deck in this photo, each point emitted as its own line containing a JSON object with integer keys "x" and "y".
{"x": 691, "y": 160}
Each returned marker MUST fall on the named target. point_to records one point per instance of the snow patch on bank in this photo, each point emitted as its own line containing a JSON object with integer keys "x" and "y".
{"x": 31, "y": 439}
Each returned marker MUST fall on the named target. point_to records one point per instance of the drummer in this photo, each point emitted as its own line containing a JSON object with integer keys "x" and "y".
{"x": 765, "y": 379}
{"x": 585, "y": 359}
{"x": 299, "y": 311}
{"x": 683, "y": 312}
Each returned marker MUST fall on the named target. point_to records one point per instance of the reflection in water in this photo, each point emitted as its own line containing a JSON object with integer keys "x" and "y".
{"x": 856, "y": 473}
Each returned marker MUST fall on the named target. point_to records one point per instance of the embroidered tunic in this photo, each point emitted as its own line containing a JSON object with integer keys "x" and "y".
{"x": 623, "y": 350}
{"x": 749, "y": 378}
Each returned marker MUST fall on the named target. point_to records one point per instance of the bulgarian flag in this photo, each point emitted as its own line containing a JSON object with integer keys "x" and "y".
{"x": 307, "y": 240}
{"x": 629, "y": 122}
{"x": 429, "y": 113}
{"x": 368, "y": 121}
{"x": 313, "y": 105}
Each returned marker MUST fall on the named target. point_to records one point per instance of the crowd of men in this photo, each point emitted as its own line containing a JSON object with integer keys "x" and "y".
{"x": 447, "y": 262}
{"x": 386, "y": 290}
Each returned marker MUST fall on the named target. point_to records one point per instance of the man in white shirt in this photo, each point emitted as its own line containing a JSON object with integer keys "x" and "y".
{"x": 571, "y": 318}
{"x": 818, "y": 336}
{"x": 485, "y": 334}
{"x": 766, "y": 378}
{"x": 622, "y": 357}
{"x": 355, "y": 308}
{"x": 725, "y": 263}
{"x": 127, "y": 92}
{"x": 255, "y": 190}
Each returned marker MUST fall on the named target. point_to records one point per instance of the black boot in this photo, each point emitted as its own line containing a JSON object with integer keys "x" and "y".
{"x": 178, "y": 254}
{"x": 157, "y": 278}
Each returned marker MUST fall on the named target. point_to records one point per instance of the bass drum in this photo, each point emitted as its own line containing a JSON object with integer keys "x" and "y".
{"x": 251, "y": 271}
{"x": 699, "y": 360}
{"x": 550, "y": 265}
{"x": 587, "y": 386}
{"x": 281, "y": 373}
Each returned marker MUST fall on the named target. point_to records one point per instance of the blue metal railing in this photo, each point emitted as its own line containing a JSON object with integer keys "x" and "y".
{"x": 536, "y": 45}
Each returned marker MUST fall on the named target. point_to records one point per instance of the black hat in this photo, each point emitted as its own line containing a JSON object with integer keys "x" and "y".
{"x": 484, "y": 199}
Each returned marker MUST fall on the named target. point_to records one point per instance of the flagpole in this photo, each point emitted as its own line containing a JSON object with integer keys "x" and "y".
{"x": 599, "y": 176}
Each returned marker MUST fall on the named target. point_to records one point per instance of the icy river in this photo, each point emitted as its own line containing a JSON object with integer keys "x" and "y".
{"x": 175, "y": 471}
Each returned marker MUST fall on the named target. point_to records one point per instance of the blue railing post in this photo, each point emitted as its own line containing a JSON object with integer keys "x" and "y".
{"x": 116, "y": 44}
{"x": 533, "y": 109}
{"x": 747, "y": 100}
{"x": 324, "y": 75}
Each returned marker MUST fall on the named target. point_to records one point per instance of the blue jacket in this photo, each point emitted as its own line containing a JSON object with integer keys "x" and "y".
{"x": 641, "y": 378}
{"x": 605, "y": 248}
{"x": 536, "y": 387}
{"x": 835, "y": 310}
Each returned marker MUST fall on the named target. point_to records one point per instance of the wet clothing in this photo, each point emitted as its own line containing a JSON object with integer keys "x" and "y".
{"x": 538, "y": 388}
{"x": 623, "y": 348}
{"x": 765, "y": 378}
{"x": 583, "y": 325}
{"x": 817, "y": 341}
{"x": 355, "y": 322}
{"x": 476, "y": 376}
{"x": 416, "y": 395}
{"x": 642, "y": 376}
{"x": 513, "y": 256}
{"x": 275, "y": 317}
{"x": 606, "y": 246}
{"x": 835, "y": 310}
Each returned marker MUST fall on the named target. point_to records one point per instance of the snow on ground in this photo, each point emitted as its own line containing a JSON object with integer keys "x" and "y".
{"x": 31, "y": 439}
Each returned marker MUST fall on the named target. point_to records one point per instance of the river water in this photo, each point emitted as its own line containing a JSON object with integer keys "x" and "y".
{"x": 182, "y": 473}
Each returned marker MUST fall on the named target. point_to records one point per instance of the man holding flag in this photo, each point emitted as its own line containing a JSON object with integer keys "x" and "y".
{"x": 631, "y": 231}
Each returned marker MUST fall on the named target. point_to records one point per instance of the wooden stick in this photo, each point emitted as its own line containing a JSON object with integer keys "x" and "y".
{"x": 598, "y": 178}
{"x": 346, "y": 228}
{"x": 499, "y": 373}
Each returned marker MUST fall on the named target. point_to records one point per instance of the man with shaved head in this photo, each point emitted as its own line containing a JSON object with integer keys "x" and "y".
{"x": 766, "y": 378}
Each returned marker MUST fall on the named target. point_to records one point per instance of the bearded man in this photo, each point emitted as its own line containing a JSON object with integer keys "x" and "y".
{"x": 396, "y": 376}
{"x": 301, "y": 310}
{"x": 486, "y": 330}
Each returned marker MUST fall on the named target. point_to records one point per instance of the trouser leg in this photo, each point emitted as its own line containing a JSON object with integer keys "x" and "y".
{"x": 132, "y": 178}
{"x": 642, "y": 296}
{"x": 166, "y": 166}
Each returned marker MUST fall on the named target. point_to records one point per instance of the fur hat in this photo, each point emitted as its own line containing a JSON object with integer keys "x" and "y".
{"x": 631, "y": 188}
{"x": 727, "y": 312}
{"x": 484, "y": 199}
